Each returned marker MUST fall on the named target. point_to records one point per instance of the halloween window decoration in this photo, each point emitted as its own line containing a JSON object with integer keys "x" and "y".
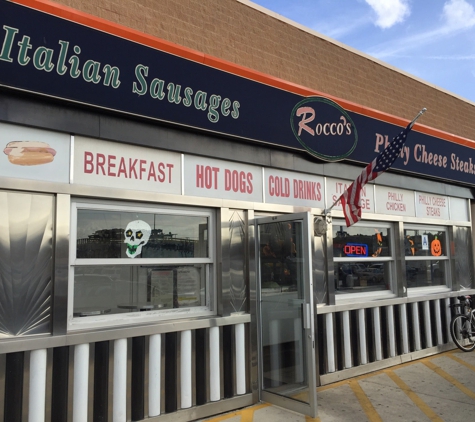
{"x": 379, "y": 244}
{"x": 425, "y": 242}
{"x": 435, "y": 247}
{"x": 363, "y": 257}
{"x": 136, "y": 259}
{"x": 425, "y": 248}
{"x": 137, "y": 234}
{"x": 119, "y": 234}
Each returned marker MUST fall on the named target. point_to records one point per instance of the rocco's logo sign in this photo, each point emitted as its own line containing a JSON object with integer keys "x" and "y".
{"x": 323, "y": 128}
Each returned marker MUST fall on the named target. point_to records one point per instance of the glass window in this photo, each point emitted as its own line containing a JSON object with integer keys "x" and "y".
{"x": 138, "y": 259}
{"x": 425, "y": 241}
{"x": 363, "y": 257}
{"x": 124, "y": 288}
{"x": 119, "y": 234}
{"x": 426, "y": 251}
{"x": 280, "y": 251}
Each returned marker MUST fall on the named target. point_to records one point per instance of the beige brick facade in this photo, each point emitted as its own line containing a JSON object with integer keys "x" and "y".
{"x": 235, "y": 31}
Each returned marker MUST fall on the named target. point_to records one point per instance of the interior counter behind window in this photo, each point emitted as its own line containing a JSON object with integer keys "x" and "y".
{"x": 127, "y": 259}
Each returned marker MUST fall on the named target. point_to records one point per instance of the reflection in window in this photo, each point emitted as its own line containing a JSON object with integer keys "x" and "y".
{"x": 356, "y": 252}
{"x": 425, "y": 249}
{"x": 118, "y": 288}
{"x": 424, "y": 242}
{"x": 117, "y": 234}
{"x": 280, "y": 247}
{"x": 357, "y": 277}
{"x": 360, "y": 242}
{"x": 426, "y": 273}
{"x": 128, "y": 259}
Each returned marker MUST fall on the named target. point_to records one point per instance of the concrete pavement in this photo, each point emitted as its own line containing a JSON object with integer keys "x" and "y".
{"x": 436, "y": 388}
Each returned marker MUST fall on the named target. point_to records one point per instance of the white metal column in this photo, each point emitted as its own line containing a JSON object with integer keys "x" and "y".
{"x": 214, "y": 365}
{"x": 240, "y": 359}
{"x": 330, "y": 343}
{"x": 391, "y": 331}
{"x": 377, "y": 333}
{"x": 80, "y": 382}
{"x": 36, "y": 408}
{"x": 185, "y": 369}
{"x": 362, "y": 336}
{"x": 154, "y": 374}
{"x": 119, "y": 401}
{"x": 404, "y": 328}
{"x": 415, "y": 324}
{"x": 347, "y": 339}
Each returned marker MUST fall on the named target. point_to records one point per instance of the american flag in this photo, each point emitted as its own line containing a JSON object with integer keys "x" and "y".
{"x": 351, "y": 198}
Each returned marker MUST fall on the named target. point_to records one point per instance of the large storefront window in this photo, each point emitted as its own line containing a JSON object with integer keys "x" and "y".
{"x": 128, "y": 259}
{"x": 363, "y": 257}
{"x": 426, "y": 253}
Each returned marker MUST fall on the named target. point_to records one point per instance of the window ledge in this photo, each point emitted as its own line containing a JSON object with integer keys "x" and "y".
{"x": 363, "y": 297}
{"x": 423, "y": 291}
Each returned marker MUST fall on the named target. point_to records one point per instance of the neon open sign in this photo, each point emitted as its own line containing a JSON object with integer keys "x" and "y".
{"x": 355, "y": 249}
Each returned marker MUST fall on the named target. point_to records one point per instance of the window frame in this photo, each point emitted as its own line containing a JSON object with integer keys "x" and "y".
{"x": 415, "y": 291}
{"x": 370, "y": 295}
{"x": 128, "y": 318}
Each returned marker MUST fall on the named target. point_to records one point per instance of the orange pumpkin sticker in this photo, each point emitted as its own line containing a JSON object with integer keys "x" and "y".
{"x": 435, "y": 247}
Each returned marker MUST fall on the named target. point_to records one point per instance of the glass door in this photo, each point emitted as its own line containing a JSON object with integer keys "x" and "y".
{"x": 286, "y": 327}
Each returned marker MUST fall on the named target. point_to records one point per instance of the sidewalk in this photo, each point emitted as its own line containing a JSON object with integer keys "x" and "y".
{"x": 436, "y": 388}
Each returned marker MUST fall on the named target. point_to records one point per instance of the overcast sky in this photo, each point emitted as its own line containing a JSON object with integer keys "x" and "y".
{"x": 433, "y": 40}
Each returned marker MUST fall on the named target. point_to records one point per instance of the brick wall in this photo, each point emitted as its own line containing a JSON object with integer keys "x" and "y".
{"x": 233, "y": 31}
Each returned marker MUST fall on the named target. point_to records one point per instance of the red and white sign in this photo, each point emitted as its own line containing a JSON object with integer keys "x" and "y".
{"x": 335, "y": 187}
{"x": 288, "y": 188}
{"x": 394, "y": 201}
{"x": 222, "y": 179}
{"x": 102, "y": 163}
{"x": 429, "y": 205}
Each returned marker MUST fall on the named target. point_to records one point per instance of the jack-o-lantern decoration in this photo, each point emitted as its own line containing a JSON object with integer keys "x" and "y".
{"x": 435, "y": 247}
{"x": 379, "y": 244}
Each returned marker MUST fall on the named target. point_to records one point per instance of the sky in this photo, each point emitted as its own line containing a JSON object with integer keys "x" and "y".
{"x": 433, "y": 40}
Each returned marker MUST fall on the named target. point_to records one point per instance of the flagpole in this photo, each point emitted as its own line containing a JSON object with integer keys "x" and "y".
{"x": 415, "y": 118}
{"x": 327, "y": 211}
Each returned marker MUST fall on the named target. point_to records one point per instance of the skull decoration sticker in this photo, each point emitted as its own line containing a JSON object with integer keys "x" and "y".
{"x": 137, "y": 234}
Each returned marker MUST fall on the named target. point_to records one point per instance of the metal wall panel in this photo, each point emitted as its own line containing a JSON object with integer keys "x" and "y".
{"x": 319, "y": 267}
{"x": 399, "y": 285}
{"x": 61, "y": 262}
{"x": 462, "y": 259}
{"x": 26, "y": 255}
{"x": 329, "y": 256}
{"x": 234, "y": 258}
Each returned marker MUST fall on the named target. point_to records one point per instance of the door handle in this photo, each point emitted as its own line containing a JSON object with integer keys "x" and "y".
{"x": 306, "y": 316}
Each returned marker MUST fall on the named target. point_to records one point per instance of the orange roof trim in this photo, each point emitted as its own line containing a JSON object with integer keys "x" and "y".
{"x": 103, "y": 25}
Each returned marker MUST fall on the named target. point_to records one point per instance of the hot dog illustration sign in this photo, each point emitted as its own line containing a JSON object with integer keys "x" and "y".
{"x": 28, "y": 153}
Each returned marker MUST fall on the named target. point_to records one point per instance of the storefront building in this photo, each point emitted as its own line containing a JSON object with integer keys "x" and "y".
{"x": 166, "y": 253}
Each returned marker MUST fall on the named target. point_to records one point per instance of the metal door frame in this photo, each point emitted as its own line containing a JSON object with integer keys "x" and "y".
{"x": 309, "y": 409}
